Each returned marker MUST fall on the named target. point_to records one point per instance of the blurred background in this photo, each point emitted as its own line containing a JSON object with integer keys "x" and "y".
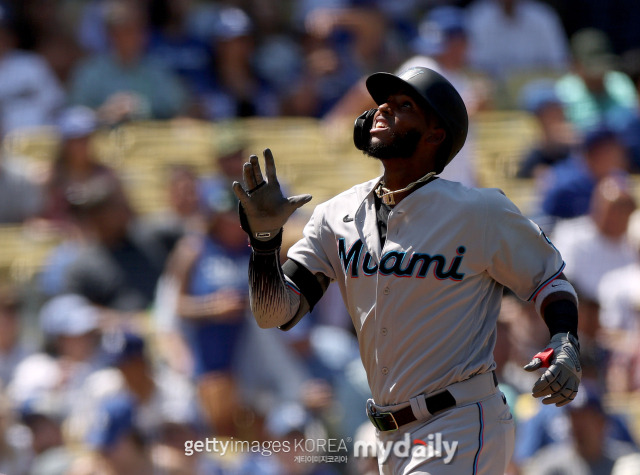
{"x": 124, "y": 325}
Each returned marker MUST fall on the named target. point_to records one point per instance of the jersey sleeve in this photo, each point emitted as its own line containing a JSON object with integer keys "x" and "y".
{"x": 519, "y": 254}
{"x": 312, "y": 250}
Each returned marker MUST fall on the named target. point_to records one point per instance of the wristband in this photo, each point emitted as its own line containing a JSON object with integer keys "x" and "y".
{"x": 260, "y": 245}
{"x": 271, "y": 245}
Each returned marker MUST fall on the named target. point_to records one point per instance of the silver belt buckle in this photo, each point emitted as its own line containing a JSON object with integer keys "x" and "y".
{"x": 383, "y": 421}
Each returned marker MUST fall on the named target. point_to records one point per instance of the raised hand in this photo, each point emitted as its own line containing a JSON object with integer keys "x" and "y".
{"x": 265, "y": 207}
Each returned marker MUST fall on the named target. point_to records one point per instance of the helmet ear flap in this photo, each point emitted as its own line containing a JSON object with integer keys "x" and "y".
{"x": 362, "y": 129}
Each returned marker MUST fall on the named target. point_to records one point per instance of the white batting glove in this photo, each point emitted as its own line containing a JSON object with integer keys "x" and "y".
{"x": 264, "y": 205}
{"x": 560, "y": 382}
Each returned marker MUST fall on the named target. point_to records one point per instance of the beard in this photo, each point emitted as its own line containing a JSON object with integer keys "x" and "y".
{"x": 400, "y": 145}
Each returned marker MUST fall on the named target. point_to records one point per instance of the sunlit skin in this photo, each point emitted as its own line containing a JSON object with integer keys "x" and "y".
{"x": 611, "y": 208}
{"x": 400, "y": 114}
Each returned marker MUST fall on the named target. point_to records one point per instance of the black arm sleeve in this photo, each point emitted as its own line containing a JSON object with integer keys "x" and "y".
{"x": 561, "y": 316}
{"x": 273, "y": 302}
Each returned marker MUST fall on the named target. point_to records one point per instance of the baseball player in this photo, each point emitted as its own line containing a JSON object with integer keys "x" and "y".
{"x": 421, "y": 263}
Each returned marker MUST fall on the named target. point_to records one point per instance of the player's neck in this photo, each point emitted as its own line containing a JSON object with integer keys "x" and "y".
{"x": 401, "y": 180}
{"x": 398, "y": 173}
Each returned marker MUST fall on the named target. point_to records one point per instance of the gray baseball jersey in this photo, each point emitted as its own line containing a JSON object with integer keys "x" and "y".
{"x": 425, "y": 305}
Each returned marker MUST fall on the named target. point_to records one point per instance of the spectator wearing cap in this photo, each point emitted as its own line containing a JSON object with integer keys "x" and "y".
{"x": 71, "y": 325}
{"x": 117, "y": 445}
{"x": 50, "y": 454}
{"x": 590, "y": 450}
{"x": 212, "y": 297}
{"x": 124, "y": 84}
{"x": 75, "y": 164}
{"x": 162, "y": 396}
{"x": 571, "y": 182}
{"x": 557, "y": 137}
{"x": 29, "y": 91}
{"x": 165, "y": 412}
{"x": 509, "y": 37}
{"x": 40, "y": 398}
{"x": 240, "y": 91}
{"x": 71, "y": 330}
{"x": 596, "y": 92}
{"x": 52, "y": 380}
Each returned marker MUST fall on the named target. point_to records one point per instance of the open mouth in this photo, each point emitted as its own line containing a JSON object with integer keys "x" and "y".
{"x": 379, "y": 124}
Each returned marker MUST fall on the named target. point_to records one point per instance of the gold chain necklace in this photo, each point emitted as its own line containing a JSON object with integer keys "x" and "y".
{"x": 386, "y": 195}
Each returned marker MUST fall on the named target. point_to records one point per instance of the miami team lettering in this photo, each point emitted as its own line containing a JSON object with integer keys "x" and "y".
{"x": 400, "y": 264}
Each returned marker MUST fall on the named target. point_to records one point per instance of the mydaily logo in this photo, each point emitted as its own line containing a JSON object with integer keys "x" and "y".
{"x": 433, "y": 446}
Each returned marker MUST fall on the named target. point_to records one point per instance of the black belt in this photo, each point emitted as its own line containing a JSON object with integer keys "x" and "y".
{"x": 388, "y": 421}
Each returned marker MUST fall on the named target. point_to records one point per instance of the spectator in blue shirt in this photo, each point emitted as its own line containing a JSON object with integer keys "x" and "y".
{"x": 212, "y": 302}
{"x": 572, "y": 181}
{"x": 124, "y": 83}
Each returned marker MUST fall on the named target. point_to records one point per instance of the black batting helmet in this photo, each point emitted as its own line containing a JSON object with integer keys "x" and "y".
{"x": 433, "y": 92}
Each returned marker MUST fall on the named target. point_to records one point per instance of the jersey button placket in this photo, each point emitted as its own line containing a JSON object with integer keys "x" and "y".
{"x": 384, "y": 332}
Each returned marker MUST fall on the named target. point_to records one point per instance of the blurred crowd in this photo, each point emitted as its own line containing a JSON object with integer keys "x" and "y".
{"x": 135, "y": 340}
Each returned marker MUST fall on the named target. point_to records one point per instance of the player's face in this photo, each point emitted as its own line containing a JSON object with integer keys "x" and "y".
{"x": 397, "y": 129}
